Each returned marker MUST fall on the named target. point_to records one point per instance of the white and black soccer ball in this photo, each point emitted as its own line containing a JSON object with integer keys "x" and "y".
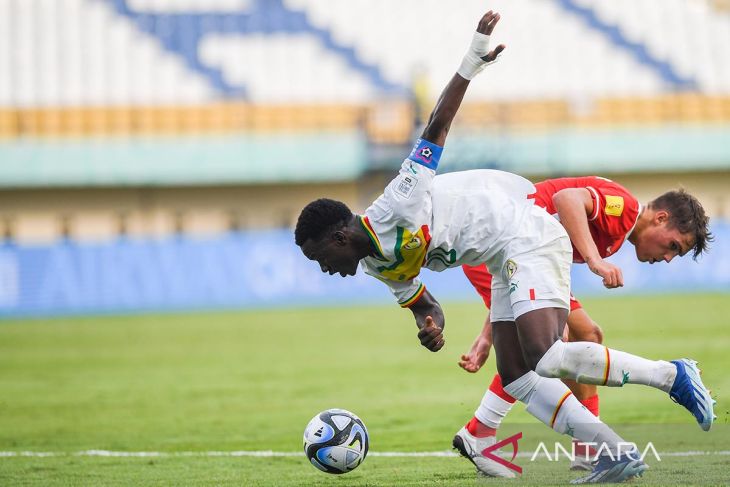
{"x": 336, "y": 441}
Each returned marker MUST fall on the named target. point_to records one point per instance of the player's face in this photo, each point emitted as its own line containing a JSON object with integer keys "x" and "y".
{"x": 334, "y": 254}
{"x": 662, "y": 243}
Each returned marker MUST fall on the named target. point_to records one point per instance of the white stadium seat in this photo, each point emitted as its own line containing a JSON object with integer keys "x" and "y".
{"x": 92, "y": 52}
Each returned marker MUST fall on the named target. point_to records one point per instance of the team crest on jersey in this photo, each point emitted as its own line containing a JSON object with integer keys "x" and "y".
{"x": 509, "y": 269}
{"x": 413, "y": 243}
{"x": 614, "y": 205}
{"x": 409, "y": 252}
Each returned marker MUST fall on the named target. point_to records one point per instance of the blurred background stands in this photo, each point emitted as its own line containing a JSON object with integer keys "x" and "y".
{"x": 150, "y": 117}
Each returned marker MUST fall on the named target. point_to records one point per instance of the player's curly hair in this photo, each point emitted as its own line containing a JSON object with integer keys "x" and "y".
{"x": 686, "y": 215}
{"x": 318, "y": 217}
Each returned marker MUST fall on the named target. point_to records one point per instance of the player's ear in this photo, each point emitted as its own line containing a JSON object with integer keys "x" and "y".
{"x": 661, "y": 217}
{"x": 339, "y": 237}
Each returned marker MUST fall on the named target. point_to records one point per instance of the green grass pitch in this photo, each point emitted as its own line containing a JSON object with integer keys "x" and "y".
{"x": 251, "y": 381}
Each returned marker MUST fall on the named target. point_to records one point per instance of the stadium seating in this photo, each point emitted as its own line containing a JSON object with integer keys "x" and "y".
{"x": 145, "y": 52}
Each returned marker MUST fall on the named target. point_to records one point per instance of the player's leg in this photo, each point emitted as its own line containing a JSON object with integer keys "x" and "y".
{"x": 581, "y": 328}
{"x": 540, "y": 304}
{"x": 494, "y": 406}
{"x": 591, "y": 363}
{"x": 546, "y": 272}
{"x": 554, "y": 404}
{"x": 472, "y": 439}
{"x": 547, "y": 399}
{"x": 496, "y": 402}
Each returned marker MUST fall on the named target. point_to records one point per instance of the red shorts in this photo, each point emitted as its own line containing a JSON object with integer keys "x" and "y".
{"x": 481, "y": 279}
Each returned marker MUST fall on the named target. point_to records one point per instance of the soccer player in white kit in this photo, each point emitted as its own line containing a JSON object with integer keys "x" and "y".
{"x": 485, "y": 216}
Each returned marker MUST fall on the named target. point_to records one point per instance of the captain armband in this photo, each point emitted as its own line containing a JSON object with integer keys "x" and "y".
{"x": 426, "y": 154}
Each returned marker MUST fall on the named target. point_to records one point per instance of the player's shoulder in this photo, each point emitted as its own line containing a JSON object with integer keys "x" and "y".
{"x": 602, "y": 183}
{"x": 616, "y": 199}
{"x": 616, "y": 207}
{"x": 407, "y": 196}
{"x": 597, "y": 185}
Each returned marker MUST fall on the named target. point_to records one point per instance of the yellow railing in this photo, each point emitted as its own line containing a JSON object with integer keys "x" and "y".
{"x": 389, "y": 121}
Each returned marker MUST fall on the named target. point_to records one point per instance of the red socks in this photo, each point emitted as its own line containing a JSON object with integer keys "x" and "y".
{"x": 478, "y": 429}
{"x": 496, "y": 387}
{"x": 591, "y": 404}
{"x": 581, "y": 449}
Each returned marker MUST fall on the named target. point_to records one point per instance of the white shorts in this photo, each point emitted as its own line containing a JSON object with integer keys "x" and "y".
{"x": 539, "y": 278}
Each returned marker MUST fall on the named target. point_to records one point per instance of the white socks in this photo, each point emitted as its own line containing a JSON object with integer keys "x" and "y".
{"x": 550, "y": 401}
{"x": 492, "y": 410}
{"x": 591, "y": 363}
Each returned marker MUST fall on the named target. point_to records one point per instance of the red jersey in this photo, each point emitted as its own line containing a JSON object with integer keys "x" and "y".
{"x": 615, "y": 212}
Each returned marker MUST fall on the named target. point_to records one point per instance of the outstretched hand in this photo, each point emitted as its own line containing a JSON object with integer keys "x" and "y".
{"x": 486, "y": 26}
{"x": 477, "y": 356}
{"x": 431, "y": 335}
{"x": 478, "y": 56}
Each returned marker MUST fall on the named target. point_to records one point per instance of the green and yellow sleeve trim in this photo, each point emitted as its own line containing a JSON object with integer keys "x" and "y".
{"x": 416, "y": 296}
{"x": 373, "y": 237}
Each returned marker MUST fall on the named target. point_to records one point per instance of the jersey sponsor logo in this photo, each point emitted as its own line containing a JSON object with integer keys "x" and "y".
{"x": 614, "y": 205}
{"x": 406, "y": 185}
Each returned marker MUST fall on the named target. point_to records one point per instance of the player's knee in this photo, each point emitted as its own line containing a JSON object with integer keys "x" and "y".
{"x": 511, "y": 373}
{"x": 588, "y": 332}
{"x": 550, "y": 364}
{"x": 597, "y": 333}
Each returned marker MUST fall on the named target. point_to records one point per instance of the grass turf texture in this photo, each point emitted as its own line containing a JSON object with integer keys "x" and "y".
{"x": 252, "y": 380}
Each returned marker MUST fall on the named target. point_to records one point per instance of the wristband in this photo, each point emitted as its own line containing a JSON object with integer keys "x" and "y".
{"x": 426, "y": 154}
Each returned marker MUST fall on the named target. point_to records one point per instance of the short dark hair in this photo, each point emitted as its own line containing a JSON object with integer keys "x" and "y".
{"x": 686, "y": 215}
{"x": 318, "y": 217}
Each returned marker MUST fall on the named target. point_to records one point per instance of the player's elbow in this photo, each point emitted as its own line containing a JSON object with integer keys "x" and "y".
{"x": 560, "y": 198}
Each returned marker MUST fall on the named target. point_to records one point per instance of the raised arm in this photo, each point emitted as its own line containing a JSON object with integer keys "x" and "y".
{"x": 474, "y": 61}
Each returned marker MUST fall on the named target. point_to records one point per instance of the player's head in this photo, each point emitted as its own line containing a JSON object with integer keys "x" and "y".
{"x": 325, "y": 235}
{"x": 677, "y": 225}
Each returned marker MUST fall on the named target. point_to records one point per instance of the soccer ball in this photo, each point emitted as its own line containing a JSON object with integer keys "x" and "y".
{"x": 336, "y": 441}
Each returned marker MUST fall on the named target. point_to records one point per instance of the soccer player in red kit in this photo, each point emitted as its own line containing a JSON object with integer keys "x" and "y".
{"x": 599, "y": 216}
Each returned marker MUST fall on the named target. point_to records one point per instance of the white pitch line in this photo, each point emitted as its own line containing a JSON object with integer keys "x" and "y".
{"x": 269, "y": 453}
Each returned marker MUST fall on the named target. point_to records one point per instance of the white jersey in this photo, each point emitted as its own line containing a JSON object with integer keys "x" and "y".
{"x": 438, "y": 222}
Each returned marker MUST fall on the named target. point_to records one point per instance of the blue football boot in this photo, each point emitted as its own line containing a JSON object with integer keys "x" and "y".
{"x": 614, "y": 469}
{"x": 689, "y": 391}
